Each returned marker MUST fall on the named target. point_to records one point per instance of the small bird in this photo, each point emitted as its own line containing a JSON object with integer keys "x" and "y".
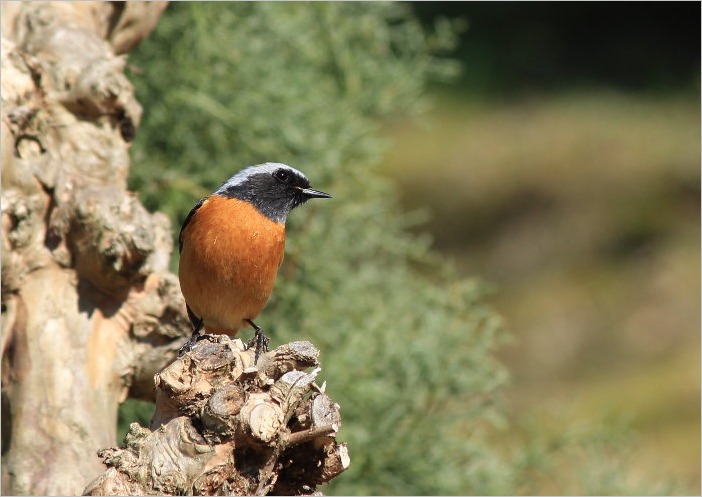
{"x": 231, "y": 246}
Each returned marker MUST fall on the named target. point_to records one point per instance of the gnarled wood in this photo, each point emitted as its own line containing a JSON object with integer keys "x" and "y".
{"x": 226, "y": 426}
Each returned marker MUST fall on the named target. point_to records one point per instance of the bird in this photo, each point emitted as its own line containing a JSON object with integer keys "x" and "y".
{"x": 231, "y": 245}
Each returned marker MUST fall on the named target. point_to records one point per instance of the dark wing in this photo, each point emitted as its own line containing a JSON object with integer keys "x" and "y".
{"x": 187, "y": 220}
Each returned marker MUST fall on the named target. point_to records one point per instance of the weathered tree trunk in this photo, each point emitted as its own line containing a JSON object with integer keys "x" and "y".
{"x": 89, "y": 311}
{"x": 226, "y": 426}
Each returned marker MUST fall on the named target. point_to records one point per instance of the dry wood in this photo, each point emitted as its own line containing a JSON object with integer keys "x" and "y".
{"x": 226, "y": 426}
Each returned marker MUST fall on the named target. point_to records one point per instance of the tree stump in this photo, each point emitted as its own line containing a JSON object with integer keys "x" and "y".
{"x": 226, "y": 426}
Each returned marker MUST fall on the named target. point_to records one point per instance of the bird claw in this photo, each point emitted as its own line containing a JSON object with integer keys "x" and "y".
{"x": 188, "y": 346}
{"x": 260, "y": 340}
{"x": 194, "y": 338}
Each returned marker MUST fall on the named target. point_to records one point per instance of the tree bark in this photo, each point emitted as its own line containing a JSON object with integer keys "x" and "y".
{"x": 89, "y": 310}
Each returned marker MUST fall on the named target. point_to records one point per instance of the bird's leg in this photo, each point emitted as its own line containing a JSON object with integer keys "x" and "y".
{"x": 194, "y": 338}
{"x": 259, "y": 339}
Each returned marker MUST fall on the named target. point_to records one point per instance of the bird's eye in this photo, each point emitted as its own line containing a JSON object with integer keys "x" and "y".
{"x": 282, "y": 175}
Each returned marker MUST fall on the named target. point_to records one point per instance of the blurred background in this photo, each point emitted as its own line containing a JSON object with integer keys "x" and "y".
{"x": 563, "y": 167}
{"x": 506, "y": 290}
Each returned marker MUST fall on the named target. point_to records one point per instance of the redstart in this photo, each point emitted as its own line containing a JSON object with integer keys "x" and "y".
{"x": 232, "y": 244}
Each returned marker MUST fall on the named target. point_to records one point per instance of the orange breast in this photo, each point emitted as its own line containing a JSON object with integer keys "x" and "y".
{"x": 229, "y": 262}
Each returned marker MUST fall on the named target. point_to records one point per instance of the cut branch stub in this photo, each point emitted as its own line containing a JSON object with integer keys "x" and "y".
{"x": 226, "y": 425}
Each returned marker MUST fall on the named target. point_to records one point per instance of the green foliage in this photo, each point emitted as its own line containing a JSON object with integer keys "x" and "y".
{"x": 225, "y": 85}
{"x": 133, "y": 411}
{"x": 406, "y": 349}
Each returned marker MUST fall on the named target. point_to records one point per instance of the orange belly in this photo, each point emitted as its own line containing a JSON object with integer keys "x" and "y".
{"x": 229, "y": 262}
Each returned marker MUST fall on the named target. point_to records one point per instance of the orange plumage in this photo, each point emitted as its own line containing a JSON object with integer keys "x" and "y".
{"x": 229, "y": 262}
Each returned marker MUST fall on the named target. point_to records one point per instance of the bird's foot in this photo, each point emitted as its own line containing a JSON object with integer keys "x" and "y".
{"x": 194, "y": 338}
{"x": 260, "y": 340}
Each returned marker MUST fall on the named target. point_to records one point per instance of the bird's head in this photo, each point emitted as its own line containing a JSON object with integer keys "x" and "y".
{"x": 274, "y": 189}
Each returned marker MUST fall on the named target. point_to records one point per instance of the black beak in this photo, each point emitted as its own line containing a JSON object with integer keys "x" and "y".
{"x": 311, "y": 193}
